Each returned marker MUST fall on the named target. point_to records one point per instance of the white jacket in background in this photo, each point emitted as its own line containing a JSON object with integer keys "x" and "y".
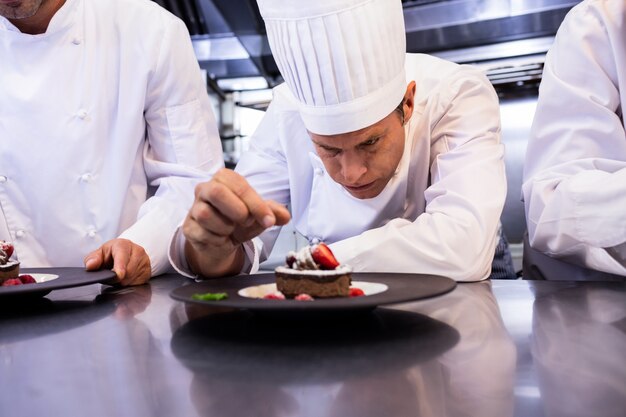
{"x": 575, "y": 170}
{"x": 106, "y": 103}
{"x": 439, "y": 215}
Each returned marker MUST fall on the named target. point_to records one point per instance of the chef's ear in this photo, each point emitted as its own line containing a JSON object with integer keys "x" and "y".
{"x": 408, "y": 102}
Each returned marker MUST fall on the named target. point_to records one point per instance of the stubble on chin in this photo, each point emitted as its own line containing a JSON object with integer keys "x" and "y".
{"x": 20, "y": 9}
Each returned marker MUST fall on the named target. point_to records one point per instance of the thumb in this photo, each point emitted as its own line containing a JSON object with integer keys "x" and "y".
{"x": 94, "y": 260}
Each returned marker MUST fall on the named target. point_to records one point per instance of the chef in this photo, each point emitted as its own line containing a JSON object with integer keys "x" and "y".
{"x": 575, "y": 171}
{"x": 392, "y": 159}
{"x": 99, "y": 100}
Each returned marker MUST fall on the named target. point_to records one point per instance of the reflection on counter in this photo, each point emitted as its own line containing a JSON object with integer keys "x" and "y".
{"x": 578, "y": 335}
{"x": 457, "y": 362}
{"x": 128, "y": 301}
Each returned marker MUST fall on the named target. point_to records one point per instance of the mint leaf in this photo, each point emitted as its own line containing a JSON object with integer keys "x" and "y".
{"x": 210, "y": 296}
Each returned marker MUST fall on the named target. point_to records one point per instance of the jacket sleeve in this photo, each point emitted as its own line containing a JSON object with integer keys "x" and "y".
{"x": 575, "y": 171}
{"x": 456, "y": 236}
{"x": 182, "y": 146}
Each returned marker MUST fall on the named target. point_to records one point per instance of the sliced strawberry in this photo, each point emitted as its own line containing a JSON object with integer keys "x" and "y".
{"x": 356, "y": 292}
{"x": 324, "y": 257}
{"x": 27, "y": 279}
{"x": 11, "y": 281}
{"x": 303, "y": 297}
{"x": 7, "y": 248}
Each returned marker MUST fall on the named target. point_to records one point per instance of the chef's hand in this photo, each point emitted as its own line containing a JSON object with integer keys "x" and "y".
{"x": 128, "y": 260}
{"x": 226, "y": 212}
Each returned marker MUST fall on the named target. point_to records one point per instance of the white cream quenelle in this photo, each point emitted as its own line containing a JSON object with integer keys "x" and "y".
{"x": 302, "y": 259}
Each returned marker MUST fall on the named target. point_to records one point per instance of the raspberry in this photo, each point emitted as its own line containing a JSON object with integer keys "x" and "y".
{"x": 291, "y": 259}
{"x": 356, "y": 292}
{"x": 27, "y": 279}
{"x": 303, "y": 297}
{"x": 12, "y": 281}
{"x": 276, "y": 295}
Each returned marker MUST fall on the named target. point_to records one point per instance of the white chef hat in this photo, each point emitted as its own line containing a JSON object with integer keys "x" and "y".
{"x": 343, "y": 60}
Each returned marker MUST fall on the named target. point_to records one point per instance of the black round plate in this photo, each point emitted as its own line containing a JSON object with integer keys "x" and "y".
{"x": 68, "y": 277}
{"x": 401, "y": 288}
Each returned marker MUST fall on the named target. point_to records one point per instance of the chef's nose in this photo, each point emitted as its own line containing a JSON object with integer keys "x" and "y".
{"x": 353, "y": 167}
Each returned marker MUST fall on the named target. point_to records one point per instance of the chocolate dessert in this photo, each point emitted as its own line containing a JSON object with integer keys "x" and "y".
{"x": 8, "y": 269}
{"x": 314, "y": 271}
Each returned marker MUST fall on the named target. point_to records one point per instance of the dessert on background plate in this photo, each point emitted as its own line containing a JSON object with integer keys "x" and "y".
{"x": 10, "y": 269}
{"x": 313, "y": 272}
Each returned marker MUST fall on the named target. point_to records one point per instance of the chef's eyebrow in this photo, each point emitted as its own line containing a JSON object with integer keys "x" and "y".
{"x": 327, "y": 147}
{"x": 375, "y": 136}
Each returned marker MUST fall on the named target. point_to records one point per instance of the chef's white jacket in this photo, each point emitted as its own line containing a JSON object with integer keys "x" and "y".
{"x": 438, "y": 215}
{"x": 107, "y": 103}
{"x": 575, "y": 170}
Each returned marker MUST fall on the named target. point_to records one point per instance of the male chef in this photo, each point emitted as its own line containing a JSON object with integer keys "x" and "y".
{"x": 99, "y": 100}
{"x": 575, "y": 170}
{"x": 392, "y": 159}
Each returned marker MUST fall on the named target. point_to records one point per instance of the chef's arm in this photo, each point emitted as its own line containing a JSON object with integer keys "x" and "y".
{"x": 457, "y": 234}
{"x": 226, "y": 214}
{"x": 575, "y": 170}
{"x": 182, "y": 147}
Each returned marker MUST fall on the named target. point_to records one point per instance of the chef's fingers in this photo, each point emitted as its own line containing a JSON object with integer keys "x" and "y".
{"x": 200, "y": 236}
{"x": 252, "y": 229}
{"x": 120, "y": 251}
{"x": 211, "y": 219}
{"x": 255, "y": 206}
{"x": 138, "y": 269}
{"x": 281, "y": 213}
{"x": 244, "y": 233}
{"x": 202, "y": 239}
{"x": 93, "y": 261}
{"x": 131, "y": 263}
{"x": 223, "y": 199}
{"x": 100, "y": 258}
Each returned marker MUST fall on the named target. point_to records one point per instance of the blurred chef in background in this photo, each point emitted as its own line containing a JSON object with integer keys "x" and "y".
{"x": 393, "y": 159}
{"x": 575, "y": 170}
{"x": 99, "y": 100}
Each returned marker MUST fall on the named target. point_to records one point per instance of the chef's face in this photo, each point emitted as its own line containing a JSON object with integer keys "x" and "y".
{"x": 365, "y": 160}
{"x": 19, "y": 9}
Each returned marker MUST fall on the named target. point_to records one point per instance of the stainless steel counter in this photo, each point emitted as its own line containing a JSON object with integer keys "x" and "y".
{"x": 502, "y": 348}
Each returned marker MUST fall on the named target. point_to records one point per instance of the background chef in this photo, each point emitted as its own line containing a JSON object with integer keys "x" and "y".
{"x": 99, "y": 99}
{"x": 394, "y": 175}
{"x": 575, "y": 169}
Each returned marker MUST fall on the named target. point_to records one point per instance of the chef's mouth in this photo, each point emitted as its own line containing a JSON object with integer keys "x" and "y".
{"x": 356, "y": 188}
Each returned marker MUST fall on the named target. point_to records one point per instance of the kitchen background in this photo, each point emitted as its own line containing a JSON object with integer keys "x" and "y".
{"x": 508, "y": 39}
